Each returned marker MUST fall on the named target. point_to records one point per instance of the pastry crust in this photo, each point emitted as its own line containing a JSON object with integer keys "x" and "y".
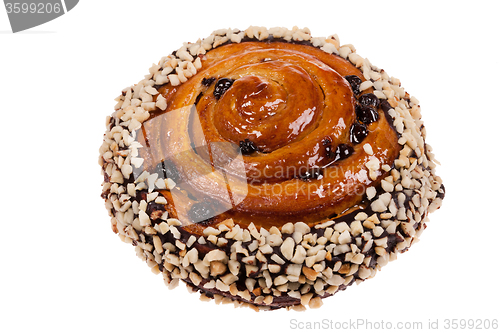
{"x": 362, "y": 185}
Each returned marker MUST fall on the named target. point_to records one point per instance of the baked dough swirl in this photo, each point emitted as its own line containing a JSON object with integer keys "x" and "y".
{"x": 293, "y": 103}
{"x": 268, "y": 168}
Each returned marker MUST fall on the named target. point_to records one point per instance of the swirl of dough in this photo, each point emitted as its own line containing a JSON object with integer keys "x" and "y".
{"x": 273, "y": 133}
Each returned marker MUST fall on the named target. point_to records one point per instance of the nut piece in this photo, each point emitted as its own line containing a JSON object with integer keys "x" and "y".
{"x": 215, "y": 255}
{"x": 315, "y": 303}
{"x": 217, "y": 268}
{"x": 287, "y": 248}
{"x": 309, "y": 273}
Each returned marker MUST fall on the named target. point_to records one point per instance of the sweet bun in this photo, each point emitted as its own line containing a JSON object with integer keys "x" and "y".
{"x": 267, "y": 167}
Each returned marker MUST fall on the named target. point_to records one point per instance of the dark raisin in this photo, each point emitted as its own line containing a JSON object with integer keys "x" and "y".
{"x": 201, "y": 211}
{"x": 166, "y": 169}
{"x": 358, "y": 133}
{"x": 368, "y": 100}
{"x": 366, "y": 114}
{"x": 326, "y": 141}
{"x": 247, "y": 147}
{"x": 385, "y": 105}
{"x": 222, "y": 86}
{"x": 313, "y": 173}
{"x": 354, "y": 81}
{"x": 329, "y": 152}
{"x": 207, "y": 81}
{"x": 343, "y": 151}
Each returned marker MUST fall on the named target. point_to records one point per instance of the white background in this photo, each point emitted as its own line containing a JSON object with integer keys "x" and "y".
{"x": 63, "y": 270}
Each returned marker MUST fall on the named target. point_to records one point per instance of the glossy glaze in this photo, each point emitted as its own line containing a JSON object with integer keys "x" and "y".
{"x": 287, "y": 106}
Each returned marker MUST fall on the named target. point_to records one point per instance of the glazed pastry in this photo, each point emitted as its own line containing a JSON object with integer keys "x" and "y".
{"x": 267, "y": 168}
